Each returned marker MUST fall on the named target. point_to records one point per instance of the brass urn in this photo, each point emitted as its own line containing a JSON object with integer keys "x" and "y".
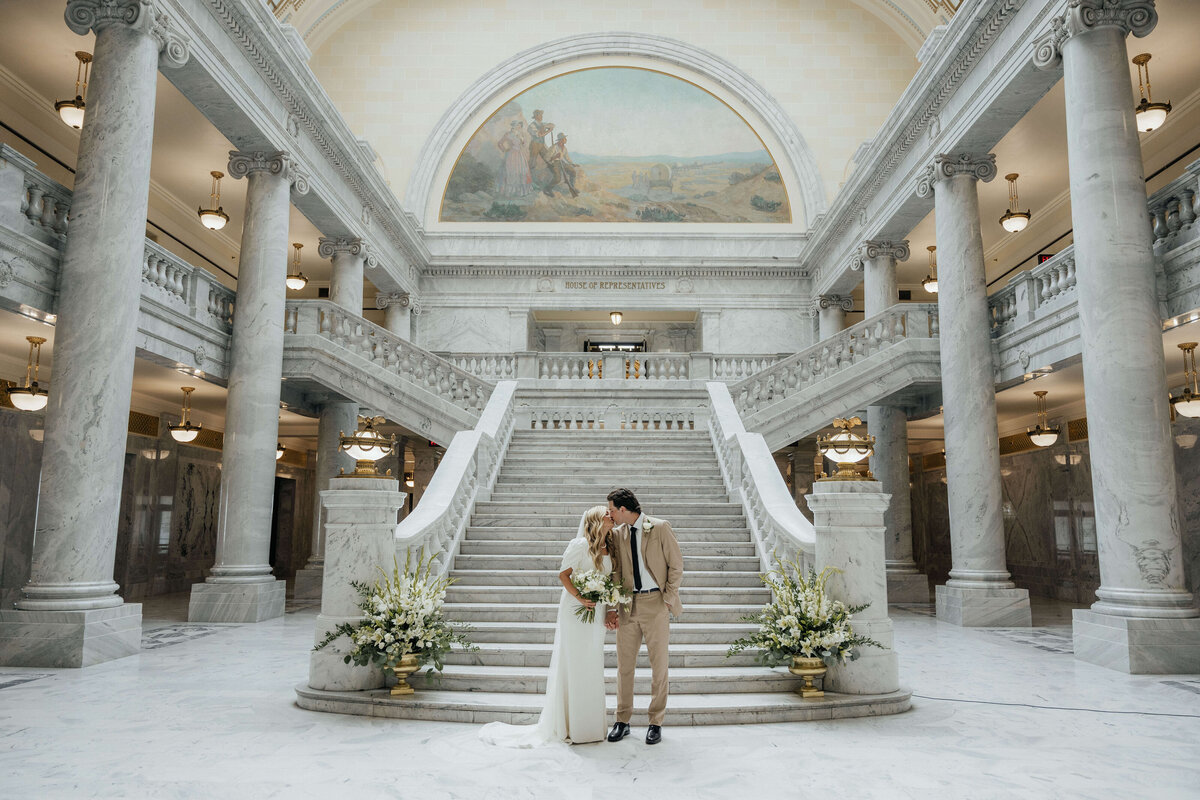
{"x": 806, "y": 669}
{"x": 407, "y": 666}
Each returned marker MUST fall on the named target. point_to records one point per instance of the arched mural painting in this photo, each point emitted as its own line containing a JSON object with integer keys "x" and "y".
{"x": 615, "y": 144}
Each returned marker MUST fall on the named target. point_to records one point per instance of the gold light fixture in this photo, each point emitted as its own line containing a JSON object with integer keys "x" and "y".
{"x": 31, "y": 397}
{"x": 71, "y": 111}
{"x": 1149, "y": 115}
{"x": 1188, "y": 401}
{"x": 295, "y": 279}
{"x": 1042, "y": 434}
{"x": 846, "y": 449}
{"x": 186, "y": 430}
{"x": 930, "y": 282}
{"x": 279, "y": 450}
{"x": 214, "y": 217}
{"x": 366, "y": 446}
{"x": 616, "y": 317}
{"x": 1012, "y": 220}
{"x": 409, "y": 480}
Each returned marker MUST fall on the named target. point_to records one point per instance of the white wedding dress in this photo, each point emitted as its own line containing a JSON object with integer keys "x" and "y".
{"x": 574, "y": 707}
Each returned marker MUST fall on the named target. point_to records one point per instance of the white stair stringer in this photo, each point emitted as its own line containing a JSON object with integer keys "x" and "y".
{"x": 506, "y": 587}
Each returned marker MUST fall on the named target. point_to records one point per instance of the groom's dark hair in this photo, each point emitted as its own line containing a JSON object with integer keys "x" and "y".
{"x": 623, "y": 498}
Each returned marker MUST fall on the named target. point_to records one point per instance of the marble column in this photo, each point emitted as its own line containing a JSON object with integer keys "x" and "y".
{"x": 241, "y": 587}
{"x": 396, "y": 307}
{"x": 1144, "y": 620}
{"x": 889, "y": 426}
{"x": 979, "y": 592}
{"x": 69, "y": 615}
{"x": 831, "y": 313}
{"x": 346, "y": 283}
{"x": 424, "y": 465}
{"x": 336, "y": 418}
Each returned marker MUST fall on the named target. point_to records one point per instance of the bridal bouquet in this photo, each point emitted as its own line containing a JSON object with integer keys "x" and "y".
{"x": 594, "y": 585}
{"x": 802, "y": 620}
{"x": 402, "y": 615}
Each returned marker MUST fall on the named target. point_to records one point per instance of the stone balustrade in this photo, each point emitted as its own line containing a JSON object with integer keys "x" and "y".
{"x": 466, "y": 475}
{"x": 1035, "y": 292}
{"x": 751, "y": 476}
{"x": 1174, "y": 208}
{"x": 640, "y": 369}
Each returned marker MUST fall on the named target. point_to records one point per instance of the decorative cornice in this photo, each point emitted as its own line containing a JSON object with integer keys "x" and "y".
{"x": 1131, "y": 16}
{"x": 945, "y": 165}
{"x": 84, "y": 16}
{"x": 875, "y": 248}
{"x": 330, "y": 246}
{"x": 828, "y": 301}
{"x": 607, "y": 270}
{"x": 276, "y": 163}
{"x": 400, "y": 299}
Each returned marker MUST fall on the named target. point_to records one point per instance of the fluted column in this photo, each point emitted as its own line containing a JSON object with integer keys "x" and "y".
{"x": 396, "y": 307}
{"x": 1144, "y": 619}
{"x": 241, "y": 587}
{"x": 979, "y": 592}
{"x": 69, "y": 615}
{"x": 831, "y": 313}
{"x": 346, "y": 283}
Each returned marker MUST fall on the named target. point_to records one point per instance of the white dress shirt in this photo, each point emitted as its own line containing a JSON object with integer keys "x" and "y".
{"x": 647, "y": 578}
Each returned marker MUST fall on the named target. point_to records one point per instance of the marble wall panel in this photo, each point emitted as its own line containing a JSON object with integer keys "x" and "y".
{"x": 20, "y": 467}
{"x": 761, "y": 330}
{"x": 1187, "y": 470}
{"x": 192, "y": 526}
{"x": 137, "y": 556}
{"x": 466, "y": 330}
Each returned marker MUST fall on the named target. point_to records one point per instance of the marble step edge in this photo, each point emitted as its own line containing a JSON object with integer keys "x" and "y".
{"x": 537, "y": 655}
{"x": 683, "y": 680}
{"x": 683, "y": 711}
{"x": 694, "y": 580}
{"x": 488, "y": 533}
{"x": 508, "y": 593}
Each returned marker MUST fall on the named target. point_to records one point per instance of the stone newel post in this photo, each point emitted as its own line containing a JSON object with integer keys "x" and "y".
{"x": 848, "y": 517}
{"x": 360, "y": 527}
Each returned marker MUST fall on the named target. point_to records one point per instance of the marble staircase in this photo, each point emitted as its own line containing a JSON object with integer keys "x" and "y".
{"x": 506, "y": 586}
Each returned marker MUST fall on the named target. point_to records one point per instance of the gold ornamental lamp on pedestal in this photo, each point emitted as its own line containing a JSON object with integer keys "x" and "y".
{"x": 846, "y": 449}
{"x": 366, "y": 446}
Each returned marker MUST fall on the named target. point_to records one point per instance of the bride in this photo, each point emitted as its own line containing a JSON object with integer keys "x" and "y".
{"x": 574, "y": 708}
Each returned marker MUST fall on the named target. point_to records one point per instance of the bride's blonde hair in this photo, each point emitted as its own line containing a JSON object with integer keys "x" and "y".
{"x": 597, "y": 540}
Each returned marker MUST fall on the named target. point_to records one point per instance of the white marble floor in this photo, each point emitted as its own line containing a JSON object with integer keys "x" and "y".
{"x": 206, "y": 711}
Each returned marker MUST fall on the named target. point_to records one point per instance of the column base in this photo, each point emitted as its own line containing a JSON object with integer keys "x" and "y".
{"x": 328, "y": 671}
{"x": 875, "y": 671}
{"x": 1137, "y": 645}
{"x": 907, "y": 587}
{"x": 308, "y": 583}
{"x": 69, "y": 639}
{"x": 984, "y": 607}
{"x": 237, "y": 602}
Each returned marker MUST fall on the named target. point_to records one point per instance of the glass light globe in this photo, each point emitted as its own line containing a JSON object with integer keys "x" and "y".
{"x": 1043, "y": 437}
{"x": 279, "y": 451}
{"x": 1188, "y": 405}
{"x": 1015, "y": 221}
{"x": 185, "y": 433}
{"x": 373, "y": 452}
{"x": 616, "y": 317}
{"x": 846, "y": 449}
{"x": 297, "y": 282}
{"x": 213, "y": 218}
{"x": 71, "y": 111}
{"x": 1151, "y": 116}
{"x": 29, "y": 398}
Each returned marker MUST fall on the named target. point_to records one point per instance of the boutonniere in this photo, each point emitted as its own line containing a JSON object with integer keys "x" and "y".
{"x": 649, "y": 526}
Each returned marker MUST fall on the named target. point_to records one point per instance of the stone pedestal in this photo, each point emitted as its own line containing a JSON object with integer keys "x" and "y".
{"x": 848, "y": 518}
{"x": 979, "y": 582}
{"x": 360, "y": 528}
{"x": 68, "y": 614}
{"x": 1137, "y": 645}
{"x": 241, "y": 587}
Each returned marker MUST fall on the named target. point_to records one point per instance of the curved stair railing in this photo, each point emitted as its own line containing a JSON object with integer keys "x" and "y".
{"x": 750, "y": 474}
{"x": 465, "y": 476}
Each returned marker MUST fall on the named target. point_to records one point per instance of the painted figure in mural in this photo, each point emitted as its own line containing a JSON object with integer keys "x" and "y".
{"x": 538, "y": 148}
{"x": 515, "y": 180}
{"x": 562, "y": 167}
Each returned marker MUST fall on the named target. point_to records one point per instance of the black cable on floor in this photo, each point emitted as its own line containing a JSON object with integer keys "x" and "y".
{"x": 1058, "y": 708}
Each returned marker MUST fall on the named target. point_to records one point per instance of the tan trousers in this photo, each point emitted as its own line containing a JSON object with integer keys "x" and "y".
{"x": 645, "y": 620}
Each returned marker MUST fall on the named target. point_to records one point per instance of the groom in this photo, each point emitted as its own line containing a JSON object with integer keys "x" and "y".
{"x": 650, "y": 566}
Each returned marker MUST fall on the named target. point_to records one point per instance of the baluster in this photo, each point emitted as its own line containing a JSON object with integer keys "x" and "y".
{"x": 1187, "y": 208}
{"x": 48, "y": 209}
{"x": 1174, "y": 223}
{"x": 33, "y": 208}
{"x": 1159, "y": 216}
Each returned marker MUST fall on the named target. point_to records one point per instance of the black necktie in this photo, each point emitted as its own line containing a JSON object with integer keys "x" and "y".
{"x": 637, "y": 573}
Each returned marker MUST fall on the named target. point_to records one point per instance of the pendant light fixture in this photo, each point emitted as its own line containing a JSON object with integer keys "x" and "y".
{"x": 1188, "y": 401}
{"x": 295, "y": 279}
{"x": 186, "y": 430}
{"x": 616, "y": 317}
{"x": 30, "y": 397}
{"x": 1149, "y": 115}
{"x": 214, "y": 217}
{"x": 279, "y": 450}
{"x": 366, "y": 446}
{"x": 71, "y": 111}
{"x": 930, "y": 282}
{"x": 1014, "y": 221}
{"x": 846, "y": 448}
{"x": 1042, "y": 434}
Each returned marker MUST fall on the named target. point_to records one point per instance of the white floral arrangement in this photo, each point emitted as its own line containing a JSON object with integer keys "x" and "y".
{"x": 594, "y": 585}
{"x": 802, "y": 620}
{"x": 402, "y": 615}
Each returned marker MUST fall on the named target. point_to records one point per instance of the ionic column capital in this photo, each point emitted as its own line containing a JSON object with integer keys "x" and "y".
{"x": 1082, "y": 16}
{"x": 875, "y": 248}
{"x": 398, "y": 299}
{"x": 274, "y": 162}
{"x": 330, "y": 246}
{"x": 828, "y": 301}
{"x": 949, "y": 165}
{"x": 84, "y": 16}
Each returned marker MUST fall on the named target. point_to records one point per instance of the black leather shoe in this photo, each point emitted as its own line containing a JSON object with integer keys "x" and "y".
{"x": 654, "y": 734}
{"x": 619, "y": 731}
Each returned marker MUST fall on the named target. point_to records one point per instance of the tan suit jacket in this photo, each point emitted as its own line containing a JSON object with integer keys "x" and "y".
{"x": 660, "y": 552}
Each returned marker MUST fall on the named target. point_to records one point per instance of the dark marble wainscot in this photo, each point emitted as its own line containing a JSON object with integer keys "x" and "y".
{"x": 1187, "y": 470}
{"x": 21, "y": 456}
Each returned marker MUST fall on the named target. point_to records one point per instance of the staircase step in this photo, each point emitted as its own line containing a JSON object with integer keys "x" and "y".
{"x": 564, "y": 535}
{"x": 549, "y": 577}
{"x": 510, "y": 563}
{"x": 663, "y": 484}
{"x": 548, "y": 612}
{"x": 683, "y": 633}
{"x": 570, "y": 522}
{"x": 472, "y": 547}
{"x": 524, "y": 654}
{"x": 684, "y": 680}
{"x": 691, "y": 597}
{"x": 663, "y": 510}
